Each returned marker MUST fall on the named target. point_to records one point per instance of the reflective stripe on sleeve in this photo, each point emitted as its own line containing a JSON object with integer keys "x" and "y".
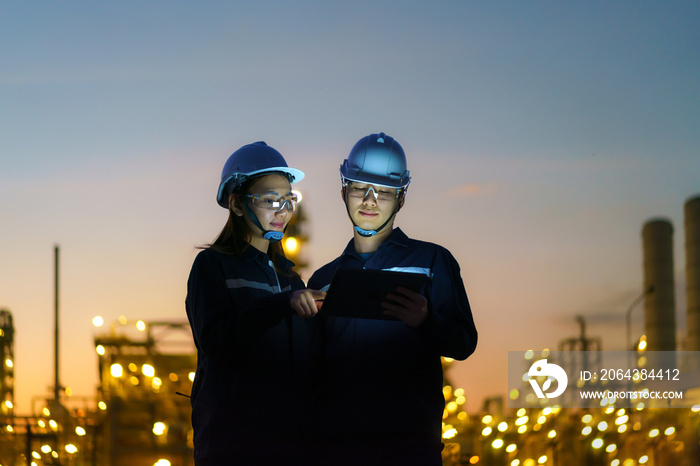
{"x": 422, "y": 270}
{"x": 243, "y": 283}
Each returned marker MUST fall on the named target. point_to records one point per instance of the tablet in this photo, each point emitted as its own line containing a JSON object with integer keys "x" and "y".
{"x": 359, "y": 293}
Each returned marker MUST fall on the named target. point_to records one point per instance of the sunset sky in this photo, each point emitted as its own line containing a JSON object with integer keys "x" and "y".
{"x": 540, "y": 135}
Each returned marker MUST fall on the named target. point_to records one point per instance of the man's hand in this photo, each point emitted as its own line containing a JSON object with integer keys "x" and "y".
{"x": 306, "y": 303}
{"x": 406, "y": 305}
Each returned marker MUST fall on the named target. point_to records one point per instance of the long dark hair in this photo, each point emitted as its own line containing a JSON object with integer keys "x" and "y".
{"x": 236, "y": 235}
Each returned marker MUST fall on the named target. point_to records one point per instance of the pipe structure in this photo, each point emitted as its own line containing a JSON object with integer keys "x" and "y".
{"x": 692, "y": 271}
{"x": 659, "y": 306}
{"x": 56, "y": 384}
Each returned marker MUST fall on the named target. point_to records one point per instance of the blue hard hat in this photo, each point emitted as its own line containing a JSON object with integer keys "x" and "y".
{"x": 251, "y": 161}
{"x": 377, "y": 159}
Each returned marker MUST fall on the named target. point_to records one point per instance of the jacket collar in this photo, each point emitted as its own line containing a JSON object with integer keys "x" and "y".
{"x": 252, "y": 254}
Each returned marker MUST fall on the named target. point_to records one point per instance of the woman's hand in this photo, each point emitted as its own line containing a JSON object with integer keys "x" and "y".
{"x": 306, "y": 303}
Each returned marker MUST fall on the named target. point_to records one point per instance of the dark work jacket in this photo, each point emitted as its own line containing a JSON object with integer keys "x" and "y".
{"x": 382, "y": 380}
{"x": 248, "y": 396}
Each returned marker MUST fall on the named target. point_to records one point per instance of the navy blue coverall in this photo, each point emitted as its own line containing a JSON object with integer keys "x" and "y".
{"x": 251, "y": 387}
{"x": 381, "y": 398}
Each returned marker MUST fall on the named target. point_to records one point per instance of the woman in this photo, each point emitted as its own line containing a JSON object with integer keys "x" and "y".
{"x": 247, "y": 309}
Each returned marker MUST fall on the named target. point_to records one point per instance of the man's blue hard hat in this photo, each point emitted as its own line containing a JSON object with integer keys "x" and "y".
{"x": 252, "y": 160}
{"x": 377, "y": 159}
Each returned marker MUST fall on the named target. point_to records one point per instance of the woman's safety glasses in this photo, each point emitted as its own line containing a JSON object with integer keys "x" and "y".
{"x": 362, "y": 190}
{"x": 271, "y": 201}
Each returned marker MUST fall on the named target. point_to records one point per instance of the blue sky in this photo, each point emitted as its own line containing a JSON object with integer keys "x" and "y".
{"x": 540, "y": 136}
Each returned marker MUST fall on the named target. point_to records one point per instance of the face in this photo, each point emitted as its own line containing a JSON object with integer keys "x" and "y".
{"x": 370, "y": 205}
{"x": 268, "y": 190}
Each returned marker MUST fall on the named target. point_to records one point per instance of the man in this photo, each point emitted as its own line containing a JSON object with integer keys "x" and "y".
{"x": 381, "y": 398}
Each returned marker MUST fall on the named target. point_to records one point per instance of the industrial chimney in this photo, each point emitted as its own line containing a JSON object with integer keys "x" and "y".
{"x": 692, "y": 271}
{"x": 659, "y": 306}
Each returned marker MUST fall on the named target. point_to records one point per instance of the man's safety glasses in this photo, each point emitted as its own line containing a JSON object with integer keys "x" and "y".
{"x": 273, "y": 202}
{"x": 362, "y": 190}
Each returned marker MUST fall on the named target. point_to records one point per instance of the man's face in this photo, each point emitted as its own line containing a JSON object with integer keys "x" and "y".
{"x": 370, "y": 205}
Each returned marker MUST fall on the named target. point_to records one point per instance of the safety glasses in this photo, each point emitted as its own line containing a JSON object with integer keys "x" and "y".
{"x": 361, "y": 190}
{"x": 272, "y": 201}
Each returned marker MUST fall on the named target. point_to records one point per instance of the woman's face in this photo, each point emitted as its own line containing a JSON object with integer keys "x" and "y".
{"x": 268, "y": 190}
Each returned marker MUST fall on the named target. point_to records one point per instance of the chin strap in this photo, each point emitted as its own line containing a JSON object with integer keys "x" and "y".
{"x": 267, "y": 234}
{"x": 368, "y": 233}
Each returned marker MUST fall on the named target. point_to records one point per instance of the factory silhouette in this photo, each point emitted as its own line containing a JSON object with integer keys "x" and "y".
{"x": 660, "y": 304}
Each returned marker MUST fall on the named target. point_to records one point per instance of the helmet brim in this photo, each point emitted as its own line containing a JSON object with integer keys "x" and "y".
{"x": 294, "y": 174}
{"x": 377, "y": 181}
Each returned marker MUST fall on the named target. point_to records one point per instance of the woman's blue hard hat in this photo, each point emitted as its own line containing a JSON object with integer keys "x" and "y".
{"x": 251, "y": 161}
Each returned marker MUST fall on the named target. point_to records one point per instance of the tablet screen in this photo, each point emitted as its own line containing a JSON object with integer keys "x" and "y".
{"x": 358, "y": 293}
